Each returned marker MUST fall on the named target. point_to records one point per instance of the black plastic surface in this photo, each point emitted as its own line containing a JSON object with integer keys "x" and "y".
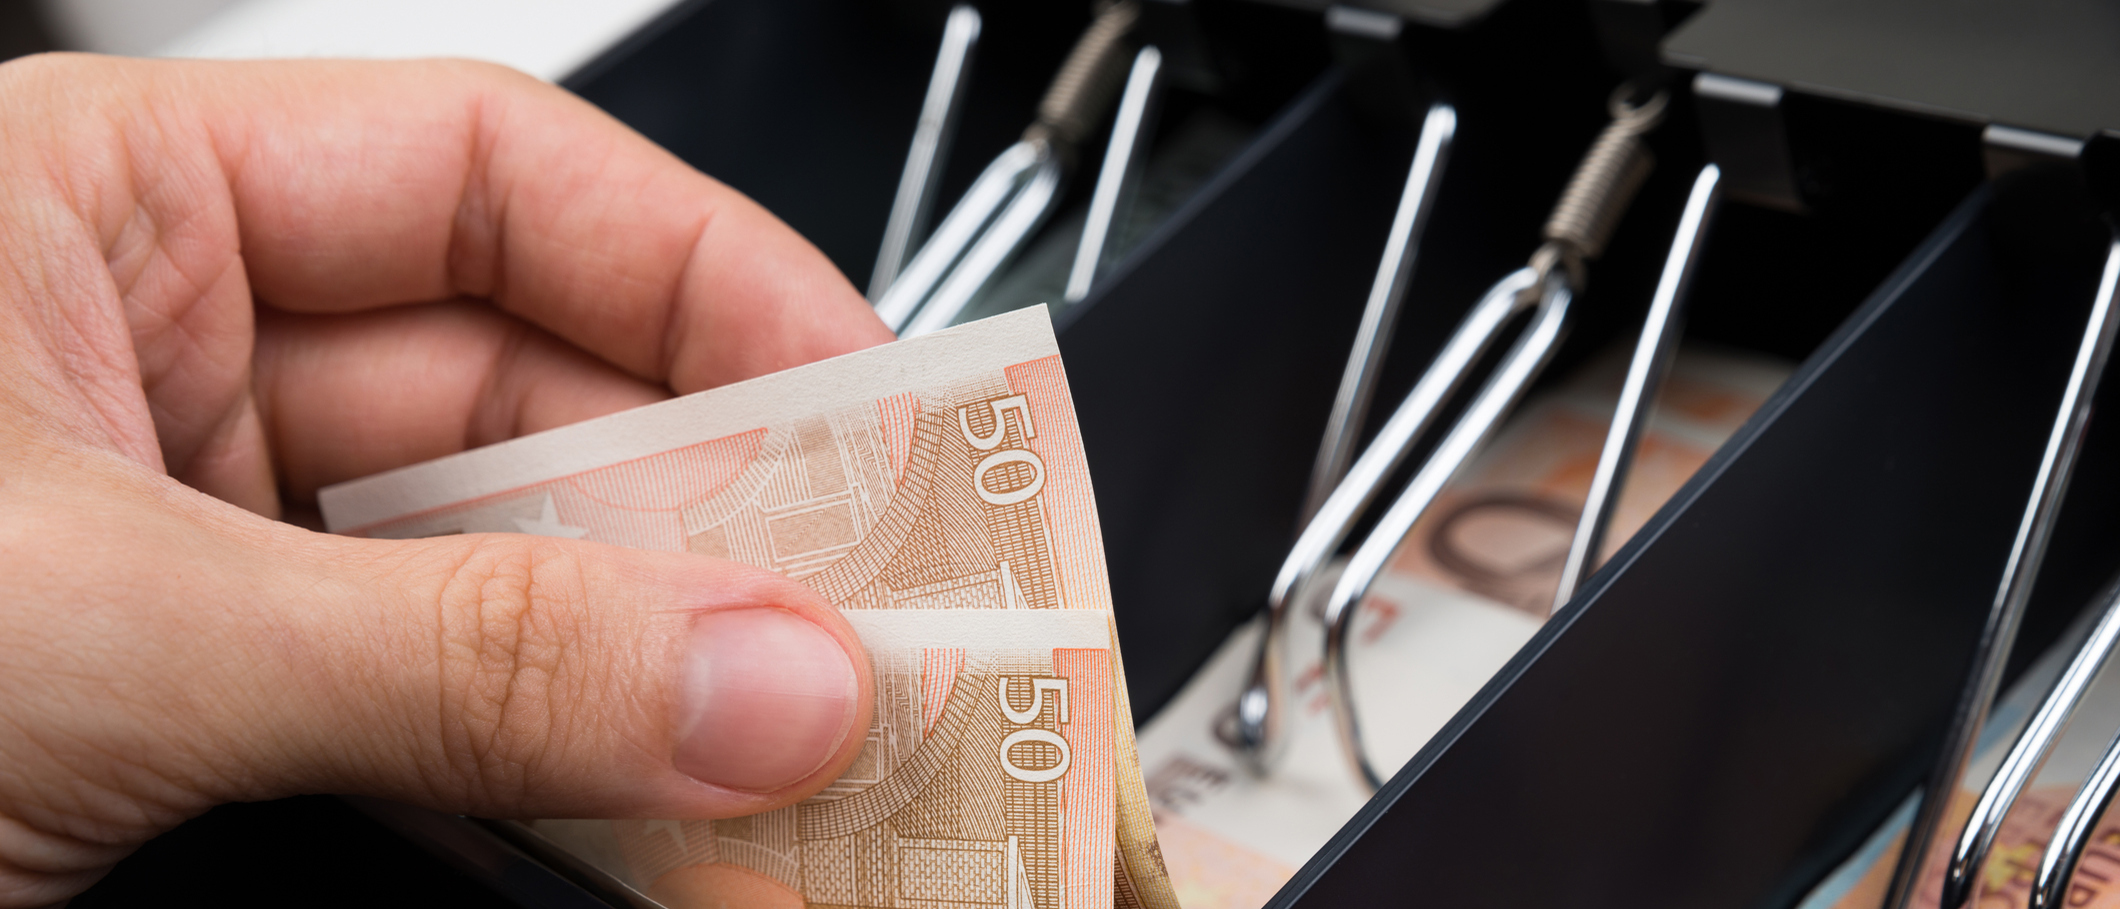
{"x": 2047, "y": 65}
{"x": 1756, "y": 678}
{"x": 308, "y": 851}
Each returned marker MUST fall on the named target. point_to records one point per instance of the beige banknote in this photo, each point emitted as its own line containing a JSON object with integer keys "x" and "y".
{"x": 937, "y": 477}
{"x": 1469, "y": 585}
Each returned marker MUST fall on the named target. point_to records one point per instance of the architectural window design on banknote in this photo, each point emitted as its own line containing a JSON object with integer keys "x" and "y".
{"x": 936, "y": 491}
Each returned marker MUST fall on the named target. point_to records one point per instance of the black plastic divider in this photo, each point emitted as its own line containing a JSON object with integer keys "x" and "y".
{"x": 1203, "y": 371}
{"x": 1744, "y": 690}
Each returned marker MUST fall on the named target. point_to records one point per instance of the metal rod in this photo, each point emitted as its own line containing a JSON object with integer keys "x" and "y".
{"x": 959, "y": 230}
{"x": 2064, "y": 442}
{"x": 2026, "y": 754}
{"x": 1652, "y": 358}
{"x": 930, "y": 151}
{"x": 1261, "y": 708}
{"x": 1523, "y": 363}
{"x": 1120, "y": 175}
{"x": 1032, "y": 202}
{"x": 1424, "y": 179}
{"x": 2073, "y": 836}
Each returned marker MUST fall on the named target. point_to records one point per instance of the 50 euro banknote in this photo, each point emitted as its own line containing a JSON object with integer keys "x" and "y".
{"x": 936, "y": 491}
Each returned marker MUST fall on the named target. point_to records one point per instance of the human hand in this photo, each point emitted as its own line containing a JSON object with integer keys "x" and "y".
{"x": 225, "y": 285}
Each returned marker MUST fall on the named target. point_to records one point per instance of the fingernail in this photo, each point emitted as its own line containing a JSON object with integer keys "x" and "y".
{"x": 769, "y": 697}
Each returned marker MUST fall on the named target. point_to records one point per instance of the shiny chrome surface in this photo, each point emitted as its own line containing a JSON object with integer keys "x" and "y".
{"x": 2024, "y": 758}
{"x": 1120, "y": 174}
{"x": 986, "y": 198}
{"x": 1026, "y": 210}
{"x": 931, "y": 139}
{"x": 1525, "y": 359}
{"x": 1652, "y": 358}
{"x": 1014, "y": 194}
{"x": 1260, "y": 713}
{"x": 1373, "y": 337}
{"x": 2064, "y": 442}
{"x": 2073, "y": 835}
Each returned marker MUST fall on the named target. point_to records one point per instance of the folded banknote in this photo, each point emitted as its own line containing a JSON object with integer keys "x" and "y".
{"x": 935, "y": 489}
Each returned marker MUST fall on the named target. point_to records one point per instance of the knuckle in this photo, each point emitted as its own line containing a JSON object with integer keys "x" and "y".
{"x": 505, "y": 626}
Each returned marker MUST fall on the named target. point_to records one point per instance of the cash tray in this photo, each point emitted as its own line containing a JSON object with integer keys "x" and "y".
{"x": 1727, "y": 709}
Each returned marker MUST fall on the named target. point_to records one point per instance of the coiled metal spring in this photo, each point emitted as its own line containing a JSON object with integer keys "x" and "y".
{"x": 1604, "y": 183}
{"x": 1088, "y": 80}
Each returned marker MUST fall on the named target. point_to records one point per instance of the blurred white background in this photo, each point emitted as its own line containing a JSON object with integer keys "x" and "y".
{"x": 548, "y": 38}
{"x": 124, "y": 26}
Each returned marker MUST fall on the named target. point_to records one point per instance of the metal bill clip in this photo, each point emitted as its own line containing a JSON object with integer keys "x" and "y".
{"x": 1013, "y": 196}
{"x": 2041, "y": 510}
{"x": 1537, "y": 296}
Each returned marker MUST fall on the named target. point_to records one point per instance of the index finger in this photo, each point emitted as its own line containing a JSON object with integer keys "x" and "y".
{"x": 359, "y": 185}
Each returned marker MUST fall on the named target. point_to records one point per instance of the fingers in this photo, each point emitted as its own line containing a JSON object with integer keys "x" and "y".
{"x": 170, "y": 652}
{"x": 361, "y": 185}
{"x": 347, "y": 396}
{"x": 162, "y": 199}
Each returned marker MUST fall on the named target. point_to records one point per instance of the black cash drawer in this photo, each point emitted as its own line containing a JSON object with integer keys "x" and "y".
{"x": 1726, "y": 710}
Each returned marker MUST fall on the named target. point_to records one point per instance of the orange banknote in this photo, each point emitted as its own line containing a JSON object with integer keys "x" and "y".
{"x": 936, "y": 490}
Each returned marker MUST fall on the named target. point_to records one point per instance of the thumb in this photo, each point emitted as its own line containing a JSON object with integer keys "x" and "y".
{"x": 162, "y": 651}
{"x": 168, "y": 652}
{"x": 518, "y": 676}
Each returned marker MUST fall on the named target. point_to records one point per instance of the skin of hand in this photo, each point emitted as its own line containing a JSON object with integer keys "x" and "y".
{"x": 224, "y": 285}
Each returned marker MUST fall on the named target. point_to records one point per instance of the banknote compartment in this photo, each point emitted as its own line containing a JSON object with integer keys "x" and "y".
{"x": 1774, "y": 282}
{"x": 1755, "y": 681}
{"x": 1747, "y": 297}
{"x": 1207, "y": 306}
{"x": 1244, "y": 303}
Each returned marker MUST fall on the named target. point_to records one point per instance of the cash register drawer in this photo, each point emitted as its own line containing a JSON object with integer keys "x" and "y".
{"x": 1734, "y": 701}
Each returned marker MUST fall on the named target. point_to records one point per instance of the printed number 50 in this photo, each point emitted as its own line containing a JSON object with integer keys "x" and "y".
{"x": 1039, "y": 688}
{"x": 1022, "y": 483}
{"x": 1018, "y": 403}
